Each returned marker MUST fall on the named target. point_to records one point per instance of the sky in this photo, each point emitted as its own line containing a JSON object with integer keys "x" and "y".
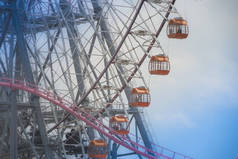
{"x": 194, "y": 109}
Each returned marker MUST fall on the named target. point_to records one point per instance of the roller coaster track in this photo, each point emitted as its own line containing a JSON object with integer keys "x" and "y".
{"x": 87, "y": 118}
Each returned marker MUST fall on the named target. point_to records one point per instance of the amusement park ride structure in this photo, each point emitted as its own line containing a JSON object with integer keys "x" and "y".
{"x": 70, "y": 78}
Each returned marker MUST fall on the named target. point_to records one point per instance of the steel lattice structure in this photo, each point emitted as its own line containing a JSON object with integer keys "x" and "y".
{"x": 69, "y": 66}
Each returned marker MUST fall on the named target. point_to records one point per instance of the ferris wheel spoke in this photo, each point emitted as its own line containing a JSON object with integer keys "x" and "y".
{"x": 119, "y": 46}
{"x": 107, "y": 36}
{"x": 141, "y": 61}
{"x": 49, "y": 54}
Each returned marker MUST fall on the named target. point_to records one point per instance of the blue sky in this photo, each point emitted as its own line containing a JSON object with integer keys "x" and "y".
{"x": 194, "y": 110}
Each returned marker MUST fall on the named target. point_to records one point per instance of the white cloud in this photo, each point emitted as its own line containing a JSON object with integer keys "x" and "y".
{"x": 204, "y": 67}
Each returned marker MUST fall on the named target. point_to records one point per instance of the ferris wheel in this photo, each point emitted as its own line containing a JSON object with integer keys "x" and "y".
{"x": 71, "y": 79}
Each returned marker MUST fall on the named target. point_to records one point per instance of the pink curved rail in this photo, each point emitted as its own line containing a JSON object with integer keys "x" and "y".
{"x": 84, "y": 116}
{"x": 173, "y": 154}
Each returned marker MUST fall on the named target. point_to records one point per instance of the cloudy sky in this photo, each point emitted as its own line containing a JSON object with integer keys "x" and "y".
{"x": 194, "y": 110}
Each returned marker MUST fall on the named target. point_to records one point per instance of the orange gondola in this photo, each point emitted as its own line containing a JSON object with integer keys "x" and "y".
{"x": 177, "y": 28}
{"x": 97, "y": 149}
{"x": 119, "y": 124}
{"x": 159, "y": 65}
{"x": 140, "y": 97}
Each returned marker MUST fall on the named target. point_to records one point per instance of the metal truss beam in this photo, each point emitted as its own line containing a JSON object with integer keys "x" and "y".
{"x": 109, "y": 41}
{"x": 21, "y": 52}
{"x": 72, "y": 35}
{"x": 4, "y": 8}
{"x": 13, "y": 126}
{"x": 126, "y": 154}
{"x": 5, "y": 28}
{"x": 114, "y": 151}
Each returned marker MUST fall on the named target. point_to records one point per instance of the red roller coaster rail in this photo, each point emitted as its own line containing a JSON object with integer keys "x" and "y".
{"x": 87, "y": 118}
